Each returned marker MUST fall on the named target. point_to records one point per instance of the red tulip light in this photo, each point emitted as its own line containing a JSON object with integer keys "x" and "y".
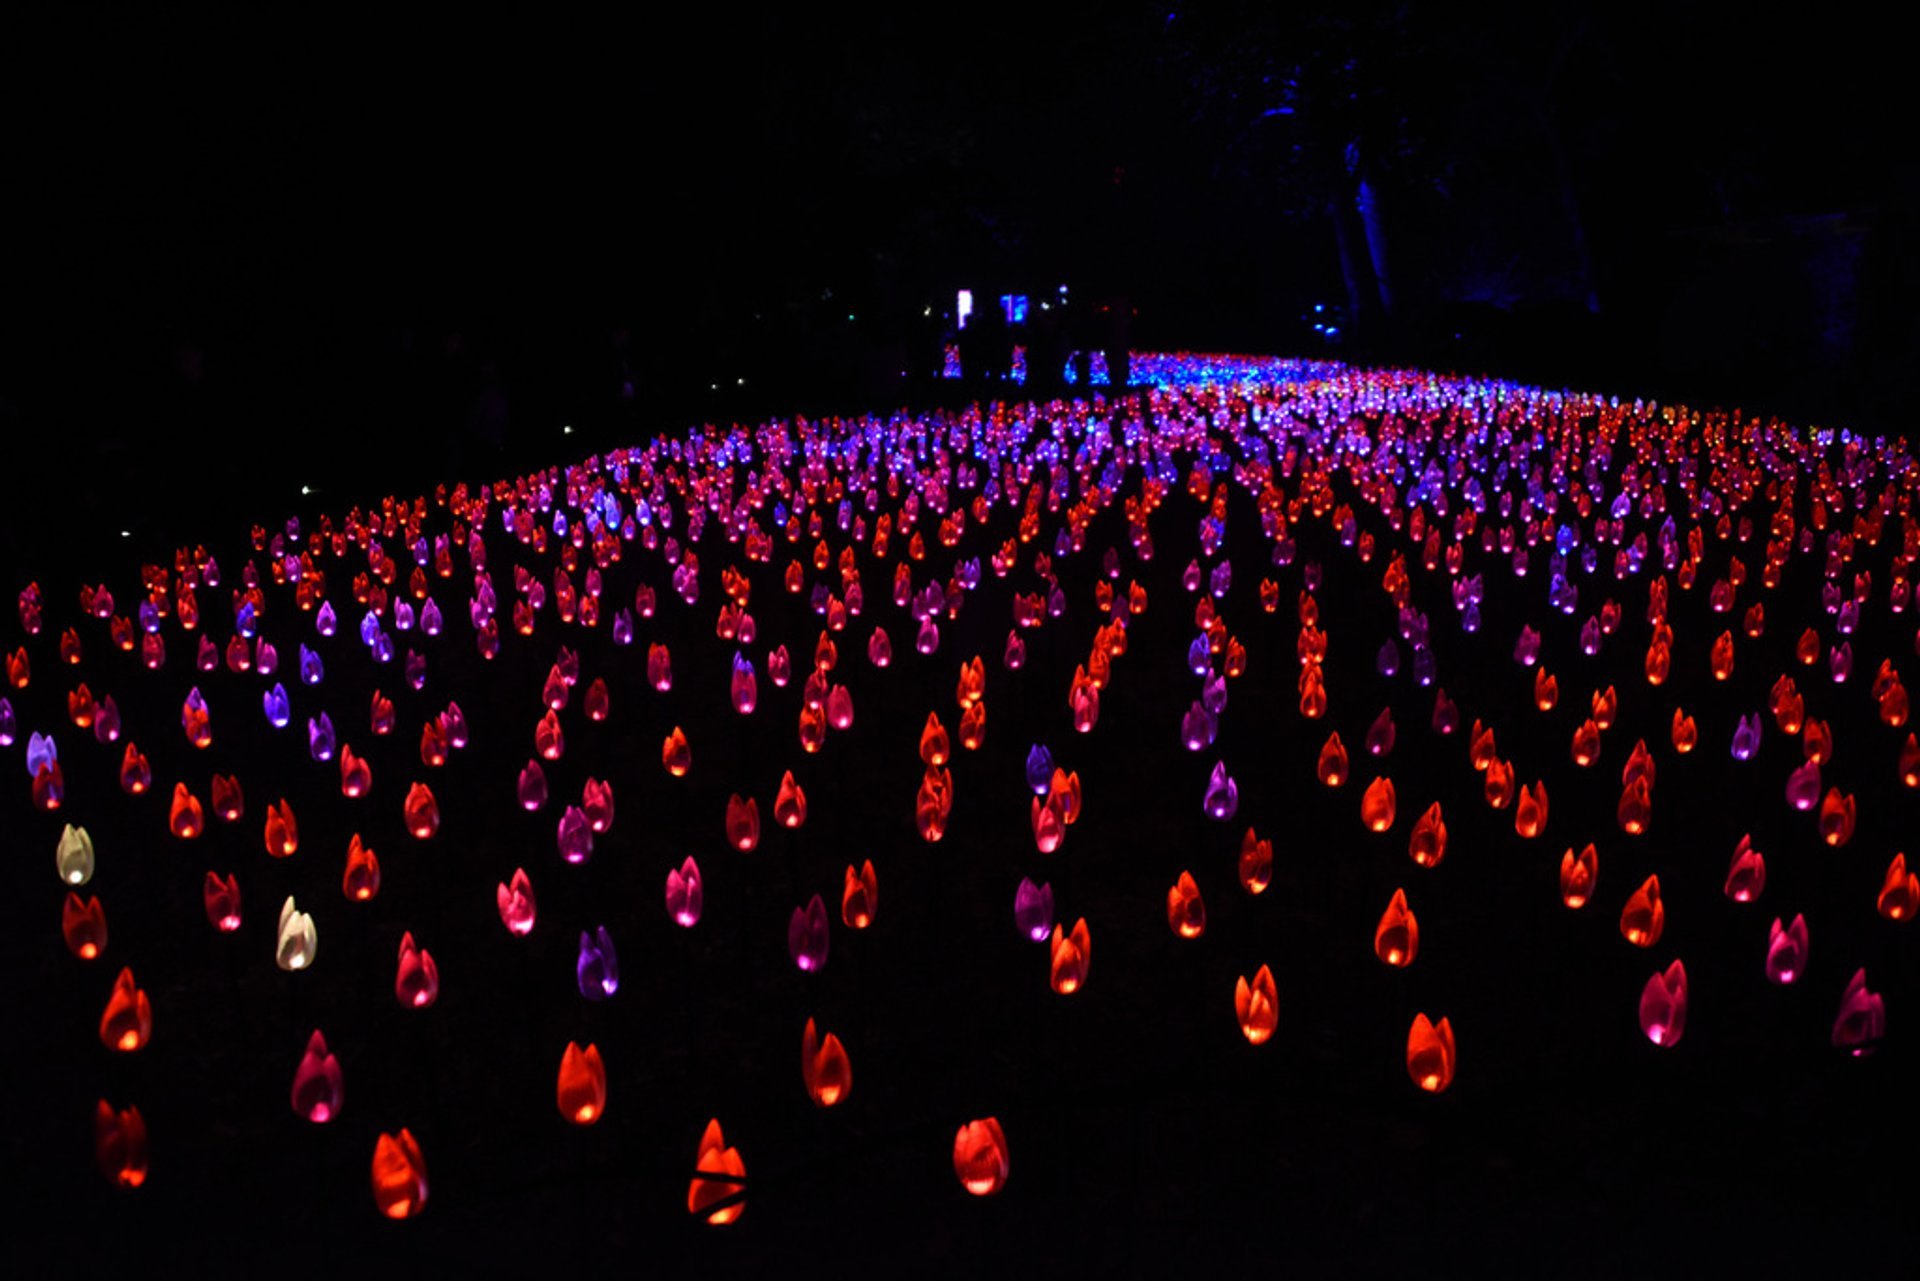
{"x": 1257, "y": 1006}
{"x": 120, "y": 1144}
{"x": 980, "y": 1157}
{"x": 399, "y": 1176}
{"x": 1430, "y": 1054}
{"x": 718, "y": 1190}
{"x": 582, "y": 1086}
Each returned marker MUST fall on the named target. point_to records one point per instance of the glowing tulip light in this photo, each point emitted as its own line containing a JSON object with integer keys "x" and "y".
{"x": 980, "y": 1156}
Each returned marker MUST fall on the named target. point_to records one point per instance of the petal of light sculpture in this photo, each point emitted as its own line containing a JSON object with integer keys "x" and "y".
{"x": 859, "y": 896}
{"x": 531, "y": 787}
{"x": 807, "y": 935}
{"x": 1862, "y": 1020}
{"x": 675, "y": 754}
{"x": 1377, "y": 805}
{"x": 1071, "y": 954}
{"x": 1331, "y": 768}
{"x": 1427, "y": 845}
{"x": 229, "y": 803}
{"x": 1430, "y": 1054}
{"x": 1033, "y": 910}
{"x": 790, "y": 803}
{"x": 1644, "y": 916}
{"x": 515, "y": 901}
{"x": 422, "y": 812}
{"x": 1255, "y": 863}
{"x": 282, "y": 834}
{"x": 1396, "y": 940}
{"x": 574, "y": 835}
{"x": 1747, "y": 874}
{"x": 399, "y": 1176}
{"x": 581, "y": 1090}
{"x": 126, "y": 1025}
{"x": 1786, "y": 951}
{"x": 296, "y": 939}
{"x": 597, "y": 967}
{"x": 222, "y": 899}
{"x": 317, "y": 1088}
{"x": 1663, "y": 1006}
{"x": 120, "y": 1144}
{"x": 1257, "y": 1006}
{"x": 416, "y": 980}
{"x": 743, "y": 822}
{"x": 84, "y": 926}
{"x": 1838, "y": 814}
{"x": 717, "y": 1192}
{"x": 73, "y": 855}
{"x": 1578, "y": 872}
{"x": 1899, "y": 897}
{"x": 824, "y": 1067}
{"x": 185, "y": 818}
{"x": 1186, "y": 910}
{"x": 686, "y": 895}
{"x": 980, "y": 1156}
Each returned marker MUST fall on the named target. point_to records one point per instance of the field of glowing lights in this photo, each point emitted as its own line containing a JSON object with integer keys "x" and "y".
{"x": 1282, "y": 811}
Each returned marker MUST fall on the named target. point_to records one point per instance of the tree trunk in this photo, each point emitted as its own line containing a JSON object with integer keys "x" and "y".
{"x": 1357, "y": 308}
{"x": 1367, "y": 201}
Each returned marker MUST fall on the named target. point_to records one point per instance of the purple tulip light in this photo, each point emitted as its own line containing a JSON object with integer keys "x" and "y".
{"x": 312, "y": 670}
{"x": 1200, "y": 655}
{"x": 1221, "y": 579}
{"x": 1033, "y": 909}
{"x": 1526, "y": 650}
{"x": 1746, "y": 738}
{"x": 1590, "y": 637}
{"x": 1223, "y": 794}
{"x": 1039, "y": 769}
{"x": 278, "y": 710}
{"x": 42, "y": 752}
{"x": 1803, "y": 786}
{"x": 1213, "y": 694}
{"x": 454, "y": 722}
{"x": 320, "y": 742}
{"x": 598, "y": 968}
{"x": 686, "y": 895}
{"x": 744, "y": 689}
{"x": 1387, "y": 661}
{"x": 807, "y": 935}
{"x": 1198, "y": 728}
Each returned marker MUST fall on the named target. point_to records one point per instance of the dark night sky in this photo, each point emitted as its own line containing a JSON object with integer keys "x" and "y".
{"x": 343, "y": 224}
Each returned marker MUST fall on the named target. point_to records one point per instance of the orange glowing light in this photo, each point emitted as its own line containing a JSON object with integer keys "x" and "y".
{"x": 1430, "y": 1054}
{"x": 824, "y": 1067}
{"x": 1257, "y": 1006}
{"x": 1186, "y": 910}
{"x": 582, "y": 1088}
{"x": 718, "y": 1189}
{"x": 1578, "y": 872}
{"x": 1644, "y": 916}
